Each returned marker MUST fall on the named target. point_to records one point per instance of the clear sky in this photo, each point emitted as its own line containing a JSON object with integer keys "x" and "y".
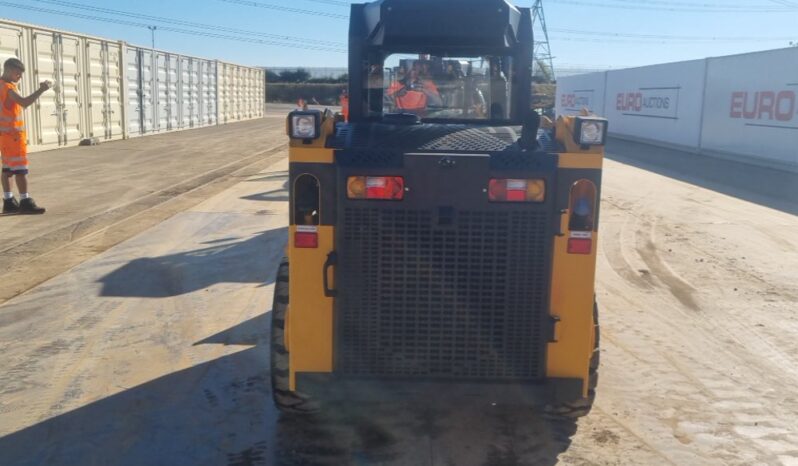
{"x": 584, "y": 33}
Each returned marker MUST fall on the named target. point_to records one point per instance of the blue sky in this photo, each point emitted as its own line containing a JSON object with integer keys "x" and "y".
{"x": 583, "y": 32}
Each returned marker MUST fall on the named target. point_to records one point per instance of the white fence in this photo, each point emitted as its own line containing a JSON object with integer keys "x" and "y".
{"x": 742, "y": 106}
{"x": 112, "y": 90}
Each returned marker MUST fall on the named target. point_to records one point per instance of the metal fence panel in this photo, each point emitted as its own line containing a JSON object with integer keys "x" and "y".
{"x": 751, "y": 106}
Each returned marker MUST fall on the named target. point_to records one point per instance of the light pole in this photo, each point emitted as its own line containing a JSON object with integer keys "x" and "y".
{"x": 152, "y": 30}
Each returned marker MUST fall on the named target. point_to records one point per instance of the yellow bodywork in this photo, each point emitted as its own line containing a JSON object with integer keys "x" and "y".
{"x": 573, "y": 279}
{"x": 309, "y": 324}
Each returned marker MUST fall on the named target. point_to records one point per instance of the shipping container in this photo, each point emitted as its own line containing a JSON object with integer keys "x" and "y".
{"x": 106, "y": 89}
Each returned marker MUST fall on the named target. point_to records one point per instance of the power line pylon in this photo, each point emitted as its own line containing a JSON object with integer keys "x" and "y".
{"x": 542, "y": 62}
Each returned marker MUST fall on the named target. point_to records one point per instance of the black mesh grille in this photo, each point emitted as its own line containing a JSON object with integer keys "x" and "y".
{"x": 421, "y": 299}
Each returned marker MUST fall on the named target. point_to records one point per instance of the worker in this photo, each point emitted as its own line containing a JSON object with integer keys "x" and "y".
{"x": 345, "y": 104}
{"x": 414, "y": 94}
{"x": 13, "y": 138}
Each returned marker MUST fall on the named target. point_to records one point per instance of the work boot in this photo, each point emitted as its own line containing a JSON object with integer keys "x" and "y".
{"x": 28, "y": 206}
{"x": 10, "y": 206}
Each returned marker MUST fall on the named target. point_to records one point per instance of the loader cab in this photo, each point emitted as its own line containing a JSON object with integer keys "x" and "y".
{"x": 475, "y": 54}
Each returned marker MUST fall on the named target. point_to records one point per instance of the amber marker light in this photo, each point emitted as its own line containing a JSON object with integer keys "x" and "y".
{"x": 386, "y": 188}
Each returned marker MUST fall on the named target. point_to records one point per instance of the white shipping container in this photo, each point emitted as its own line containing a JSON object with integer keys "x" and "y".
{"x": 575, "y": 93}
{"x": 110, "y": 90}
{"x": 751, "y": 106}
{"x": 660, "y": 103}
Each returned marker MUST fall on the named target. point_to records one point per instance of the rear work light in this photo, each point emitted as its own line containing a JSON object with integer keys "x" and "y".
{"x": 388, "y": 188}
{"x": 500, "y": 190}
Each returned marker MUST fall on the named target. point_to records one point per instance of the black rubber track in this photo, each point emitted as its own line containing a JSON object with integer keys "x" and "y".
{"x": 582, "y": 407}
{"x": 285, "y": 400}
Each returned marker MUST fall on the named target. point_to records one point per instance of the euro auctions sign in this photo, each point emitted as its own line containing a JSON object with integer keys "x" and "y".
{"x": 573, "y": 102}
{"x": 776, "y": 108}
{"x": 649, "y": 102}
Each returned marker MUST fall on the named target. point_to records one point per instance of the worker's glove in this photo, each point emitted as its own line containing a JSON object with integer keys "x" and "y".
{"x": 45, "y": 85}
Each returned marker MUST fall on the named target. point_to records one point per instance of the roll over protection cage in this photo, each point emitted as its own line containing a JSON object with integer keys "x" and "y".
{"x": 444, "y": 28}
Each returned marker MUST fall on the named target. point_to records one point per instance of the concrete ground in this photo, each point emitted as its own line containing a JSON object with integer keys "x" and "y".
{"x": 155, "y": 351}
{"x": 101, "y": 195}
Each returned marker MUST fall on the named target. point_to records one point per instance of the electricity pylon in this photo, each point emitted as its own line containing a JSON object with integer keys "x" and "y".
{"x": 542, "y": 61}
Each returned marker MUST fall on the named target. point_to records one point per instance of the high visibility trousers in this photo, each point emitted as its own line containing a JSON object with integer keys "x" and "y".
{"x": 14, "y": 150}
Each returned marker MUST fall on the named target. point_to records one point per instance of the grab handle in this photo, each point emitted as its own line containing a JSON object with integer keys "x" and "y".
{"x": 332, "y": 260}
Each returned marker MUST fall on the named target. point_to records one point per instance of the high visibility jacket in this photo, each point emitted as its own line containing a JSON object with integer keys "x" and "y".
{"x": 13, "y": 140}
{"x": 345, "y": 107}
{"x": 412, "y": 100}
{"x": 10, "y": 111}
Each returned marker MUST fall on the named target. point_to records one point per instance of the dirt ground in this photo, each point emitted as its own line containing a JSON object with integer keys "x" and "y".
{"x": 155, "y": 350}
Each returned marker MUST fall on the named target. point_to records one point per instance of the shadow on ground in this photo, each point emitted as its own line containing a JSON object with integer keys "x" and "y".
{"x": 275, "y": 195}
{"x": 772, "y": 188}
{"x": 220, "y": 413}
{"x": 177, "y": 274}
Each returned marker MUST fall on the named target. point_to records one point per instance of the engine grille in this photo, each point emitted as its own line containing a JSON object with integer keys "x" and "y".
{"x": 428, "y": 296}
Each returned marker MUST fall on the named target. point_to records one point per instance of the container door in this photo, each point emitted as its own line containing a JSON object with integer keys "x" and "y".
{"x": 222, "y": 92}
{"x": 71, "y": 87}
{"x": 149, "y": 92}
{"x": 45, "y": 51}
{"x": 211, "y": 94}
{"x": 115, "y": 124}
{"x": 134, "y": 91}
{"x": 173, "y": 63}
{"x": 262, "y": 93}
{"x": 96, "y": 88}
{"x": 237, "y": 85}
{"x": 162, "y": 91}
{"x": 184, "y": 92}
{"x": 194, "y": 106}
{"x": 246, "y": 102}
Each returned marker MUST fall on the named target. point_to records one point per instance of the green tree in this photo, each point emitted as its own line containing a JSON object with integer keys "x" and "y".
{"x": 301, "y": 75}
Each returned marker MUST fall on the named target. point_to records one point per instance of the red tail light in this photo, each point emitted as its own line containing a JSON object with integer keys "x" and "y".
{"x": 391, "y": 188}
{"x": 580, "y": 245}
{"x": 306, "y": 237}
{"x": 500, "y": 190}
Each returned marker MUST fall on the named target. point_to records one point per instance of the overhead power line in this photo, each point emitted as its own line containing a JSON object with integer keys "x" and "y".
{"x": 714, "y": 7}
{"x": 643, "y": 6}
{"x": 671, "y": 37}
{"x": 287, "y": 9}
{"x": 179, "y": 22}
{"x": 172, "y": 29}
{"x": 331, "y": 2}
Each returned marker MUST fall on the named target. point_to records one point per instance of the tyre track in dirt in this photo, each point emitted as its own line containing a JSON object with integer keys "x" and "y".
{"x": 686, "y": 365}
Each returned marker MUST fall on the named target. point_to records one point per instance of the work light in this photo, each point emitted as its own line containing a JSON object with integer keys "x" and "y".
{"x": 305, "y": 124}
{"x": 590, "y": 131}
